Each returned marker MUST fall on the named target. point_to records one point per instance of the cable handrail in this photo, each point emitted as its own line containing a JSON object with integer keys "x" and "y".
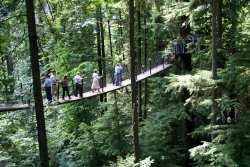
{"x": 86, "y": 83}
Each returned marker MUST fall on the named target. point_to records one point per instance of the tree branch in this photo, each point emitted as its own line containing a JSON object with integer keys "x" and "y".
{"x": 21, "y": 15}
{"x": 47, "y": 20}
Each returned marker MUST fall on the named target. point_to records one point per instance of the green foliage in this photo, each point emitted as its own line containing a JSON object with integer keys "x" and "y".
{"x": 129, "y": 162}
{"x": 214, "y": 155}
{"x": 159, "y": 132}
{"x": 229, "y": 148}
{"x": 87, "y": 133}
{"x": 85, "y": 149}
{"x": 224, "y": 149}
{"x": 68, "y": 131}
{"x": 111, "y": 130}
{"x": 85, "y": 142}
{"x": 157, "y": 135}
{"x": 201, "y": 81}
{"x": 18, "y": 140}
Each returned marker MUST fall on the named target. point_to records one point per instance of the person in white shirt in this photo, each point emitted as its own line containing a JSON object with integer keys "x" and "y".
{"x": 78, "y": 82}
{"x": 53, "y": 85}
{"x": 95, "y": 84}
{"x": 118, "y": 70}
{"x": 47, "y": 85}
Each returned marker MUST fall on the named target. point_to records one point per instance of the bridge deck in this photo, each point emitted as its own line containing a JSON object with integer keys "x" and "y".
{"x": 108, "y": 88}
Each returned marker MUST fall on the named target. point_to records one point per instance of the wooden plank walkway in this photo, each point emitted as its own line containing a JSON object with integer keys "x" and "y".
{"x": 108, "y": 88}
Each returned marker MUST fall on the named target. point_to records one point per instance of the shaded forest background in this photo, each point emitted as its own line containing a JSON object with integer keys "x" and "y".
{"x": 187, "y": 116}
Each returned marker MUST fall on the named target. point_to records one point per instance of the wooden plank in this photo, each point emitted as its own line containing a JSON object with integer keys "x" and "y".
{"x": 109, "y": 88}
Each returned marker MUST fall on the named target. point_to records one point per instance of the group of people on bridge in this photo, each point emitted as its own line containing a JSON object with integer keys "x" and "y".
{"x": 185, "y": 44}
{"x": 181, "y": 45}
{"x": 51, "y": 84}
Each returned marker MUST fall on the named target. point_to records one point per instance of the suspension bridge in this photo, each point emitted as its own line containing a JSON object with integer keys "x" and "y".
{"x": 154, "y": 67}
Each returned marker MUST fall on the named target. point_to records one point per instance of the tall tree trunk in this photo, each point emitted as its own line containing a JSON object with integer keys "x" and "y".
{"x": 221, "y": 56}
{"x": 121, "y": 33}
{"x": 103, "y": 57}
{"x": 139, "y": 61}
{"x": 145, "y": 67}
{"x": 110, "y": 40}
{"x": 6, "y": 92}
{"x": 118, "y": 124}
{"x": 133, "y": 82}
{"x": 184, "y": 31}
{"x": 214, "y": 61}
{"x": 42, "y": 139}
{"x": 214, "y": 40}
{"x": 219, "y": 23}
{"x": 187, "y": 125}
{"x": 10, "y": 69}
{"x": 234, "y": 4}
{"x": 99, "y": 51}
{"x": 103, "y": 48}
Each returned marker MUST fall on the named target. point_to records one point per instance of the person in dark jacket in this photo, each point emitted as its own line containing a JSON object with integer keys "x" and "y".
{"x": 47, "y": 85}
{"x": 65, "y": 86}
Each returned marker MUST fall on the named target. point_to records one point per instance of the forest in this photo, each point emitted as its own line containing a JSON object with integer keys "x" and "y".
{"x": 193, "y": 112}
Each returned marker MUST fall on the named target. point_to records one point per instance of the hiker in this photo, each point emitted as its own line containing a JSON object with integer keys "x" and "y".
{"x": 65, "y": 86}
{"x": 53, "y": 85}
{"x": 118, "y": 70}
{"x": 78, "y": 82}
{"x": 95, "y": 84}
{"x": 47, "y": 85}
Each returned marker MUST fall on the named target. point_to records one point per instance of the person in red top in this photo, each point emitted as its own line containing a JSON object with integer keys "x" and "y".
{"x": 65, "y": 86}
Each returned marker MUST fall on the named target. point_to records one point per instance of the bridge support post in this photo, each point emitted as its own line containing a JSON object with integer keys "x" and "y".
{"x": 150, "y": 63}
{"x": 112, "y": 76}
{"x": 102, "y": 82}
{"x": 58, "y": 91}
{"x": 163, "y": 62}
{"x": 73, "y": 88}
{"x": 81, "y": 95}
{"x": 21, "y": 87}
{"x": 30, "y": 94}
{"x": 136, "y": 71}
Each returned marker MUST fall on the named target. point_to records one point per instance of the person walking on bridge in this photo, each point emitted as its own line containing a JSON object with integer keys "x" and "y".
{"x": 118, "y": 70}
{"x": 53, "y": 85}
{"x": 95, "y": 84}
{"x": 47, "y": 85}
{"x": 78, "y": 82}
{"x": 65, "y": 86}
